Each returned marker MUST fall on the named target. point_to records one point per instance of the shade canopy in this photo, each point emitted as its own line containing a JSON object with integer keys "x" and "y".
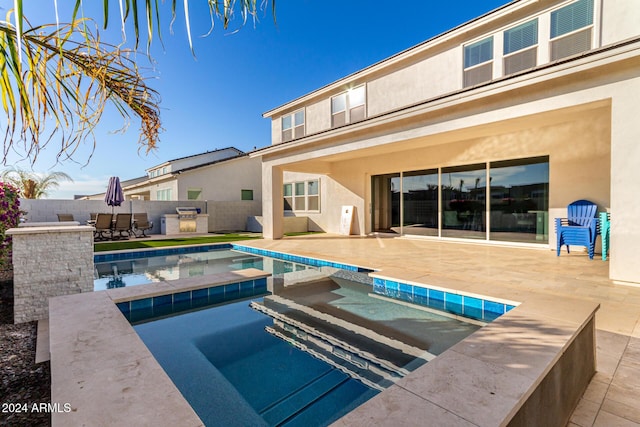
{"x": 114, "y": 195}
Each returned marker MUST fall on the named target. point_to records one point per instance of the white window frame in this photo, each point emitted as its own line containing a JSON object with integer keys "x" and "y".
{"x": 349, "y": 104}
{"x": 294, "y": 127}
{"x": 592, "y": 26}
{"x": 491, "y": 60}
{"x": 304, "y": 197}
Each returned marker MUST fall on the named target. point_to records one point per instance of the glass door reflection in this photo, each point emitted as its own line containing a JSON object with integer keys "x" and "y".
{"x": 463, "y": 202}
{"x": 420, "y": 203}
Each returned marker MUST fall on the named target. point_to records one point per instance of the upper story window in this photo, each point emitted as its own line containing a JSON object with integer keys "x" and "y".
{"x": 521, "y": 47}
{"x": 293, "y": 126}
{"x": 348, "y": 107}
{"x": 478, "y": 62}
{"x": 571, "y": 29}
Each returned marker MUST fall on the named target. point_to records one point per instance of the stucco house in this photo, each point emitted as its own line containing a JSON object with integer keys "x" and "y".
{"x": 484, "y": 133}
{"x": 226, "y": 174}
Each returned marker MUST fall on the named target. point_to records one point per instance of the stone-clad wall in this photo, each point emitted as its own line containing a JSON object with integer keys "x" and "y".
{"x": 49, "y": 260}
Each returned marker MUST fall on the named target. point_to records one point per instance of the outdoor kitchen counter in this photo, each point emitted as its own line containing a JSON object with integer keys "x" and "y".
{"x": 173, "y": 224}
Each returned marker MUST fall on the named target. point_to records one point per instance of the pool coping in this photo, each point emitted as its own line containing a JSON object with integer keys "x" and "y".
{"x": 101, "y": 371}
{"x": 96, "y": 356}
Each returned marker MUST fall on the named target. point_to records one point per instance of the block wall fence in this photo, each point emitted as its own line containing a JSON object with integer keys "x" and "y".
{"x": 223, "y": 216}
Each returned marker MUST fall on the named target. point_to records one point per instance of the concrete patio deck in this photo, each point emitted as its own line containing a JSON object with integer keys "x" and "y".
{"x": 517, "y": 274}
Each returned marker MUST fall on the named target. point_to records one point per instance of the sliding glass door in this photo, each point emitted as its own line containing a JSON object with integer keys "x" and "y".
{"x": 452, "y": 202}
{"x": 386, "y": 203}
{"x": 463, "y": 201}
{"x": 420, "y": 203}
{"x": 520, "y": 200}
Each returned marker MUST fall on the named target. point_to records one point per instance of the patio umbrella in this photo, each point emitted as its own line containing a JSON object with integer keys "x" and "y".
{"x": 114, "y": 196}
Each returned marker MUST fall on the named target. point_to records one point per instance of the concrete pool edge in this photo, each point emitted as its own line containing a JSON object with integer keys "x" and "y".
{"x": 103, "y": 370}
{"x": 100, "y": 366}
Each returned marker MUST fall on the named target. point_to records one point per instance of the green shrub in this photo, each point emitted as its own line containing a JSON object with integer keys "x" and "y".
{"x": 9, "y": 218}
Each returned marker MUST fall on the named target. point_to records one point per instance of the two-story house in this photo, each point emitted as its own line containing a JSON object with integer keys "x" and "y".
{"x": 484, "y": 133}
{"x": 226, "y": 174}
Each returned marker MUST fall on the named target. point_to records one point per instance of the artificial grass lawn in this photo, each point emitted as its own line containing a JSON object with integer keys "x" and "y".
{"x": 140, "y": 244}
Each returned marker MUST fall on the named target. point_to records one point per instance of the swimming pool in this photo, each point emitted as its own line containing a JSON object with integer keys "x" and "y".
{"x": 306, "y": 355}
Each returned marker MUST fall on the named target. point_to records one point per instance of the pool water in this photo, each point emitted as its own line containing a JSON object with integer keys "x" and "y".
{"x": 148, "y": 269}
{"x": 304, "y": 356}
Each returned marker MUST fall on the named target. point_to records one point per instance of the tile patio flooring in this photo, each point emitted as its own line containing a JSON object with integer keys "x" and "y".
{"x": 613, "y": 396}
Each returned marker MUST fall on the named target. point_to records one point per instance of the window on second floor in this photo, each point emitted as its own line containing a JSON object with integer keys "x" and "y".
{"x": 293, "y": 126}
{"x": 478, "y": 62}
{"x": 348, "y": 107}
{"x": 571, "y": 29}
{"x": 521, "y": 47}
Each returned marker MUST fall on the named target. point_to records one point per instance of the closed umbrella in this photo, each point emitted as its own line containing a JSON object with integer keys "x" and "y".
{"x": 114, "y": 196}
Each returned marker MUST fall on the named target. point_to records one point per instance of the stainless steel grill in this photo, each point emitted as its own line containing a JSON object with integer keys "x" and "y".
{"x": 187, "y": 219}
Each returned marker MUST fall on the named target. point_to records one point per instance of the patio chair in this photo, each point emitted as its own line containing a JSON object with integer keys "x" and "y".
{"x": 605, "y": 227}
{"x": 141, "y": 224}
{"x": 102, "y": 226}
{"x": 580, "y": 228}
{"x": 121, "y": 225}
{"x": 65, "y": 217}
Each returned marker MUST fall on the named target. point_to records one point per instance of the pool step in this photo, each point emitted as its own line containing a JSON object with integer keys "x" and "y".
{"x": 296, "y": 402}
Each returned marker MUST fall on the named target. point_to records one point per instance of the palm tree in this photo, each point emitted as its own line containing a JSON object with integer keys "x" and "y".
{"x": 33, "y": 185}
{"x": 65, "y": 75}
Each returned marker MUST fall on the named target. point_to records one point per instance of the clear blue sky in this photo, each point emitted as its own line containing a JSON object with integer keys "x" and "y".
{"x": 216, "y": 99}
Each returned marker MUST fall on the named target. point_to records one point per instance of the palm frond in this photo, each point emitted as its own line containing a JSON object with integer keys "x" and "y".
{"x": 66, "y": 78}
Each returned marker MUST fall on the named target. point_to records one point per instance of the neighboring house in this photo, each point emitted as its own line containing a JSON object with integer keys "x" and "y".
{"x": 222, "y": 175}
{"x": 484, "y": 133}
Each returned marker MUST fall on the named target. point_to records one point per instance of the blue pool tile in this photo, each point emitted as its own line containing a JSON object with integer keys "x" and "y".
{"x": 494, "y": 307}
{"x": 392, "y": 289}
{"x": 162, "y": 300}
{"x": 489, "y": 316}
{"x": 260, "y": 284}
{"x": 420, "y": 295}
{"x": 139, "y": 304}
{"x": 231, "y": 291}
{"x": 453, "y": 303}
{"x": 472, "y": 307}
{"x": 436, "y": 299}
{"x": 509, "y": 307}
{"x": 246, "y": 288}
{"x": 181, "y": 297}
{"x": 124, "y": 307}
{"x": 198, "y": 294}
{"x": 140, "y": 314}
{"x": 406, "y": 292}
{"x": 216, "y": 294}
{"x": 378, "y": 285}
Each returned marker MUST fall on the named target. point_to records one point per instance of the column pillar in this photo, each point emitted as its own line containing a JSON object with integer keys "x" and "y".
{"x": 272, "y": 202}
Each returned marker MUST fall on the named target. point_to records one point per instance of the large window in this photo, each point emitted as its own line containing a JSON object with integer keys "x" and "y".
{"x": 478, "y": 62}
{"x": 521, "y": 47}
{"x": 348, "y": 107}
{"x": 293, "y": 126}
{"x": 302, "y": 196}
{"x": 420, "y": 202}
{"x": 571, "y": 29}
{"x": 520, "y": 200}
{"x": 463, "y": 201}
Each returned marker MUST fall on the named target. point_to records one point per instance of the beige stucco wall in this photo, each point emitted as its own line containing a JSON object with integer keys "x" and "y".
{"x": 318, "y": 116}
{"x": 223, "y": 181}
{"x": 620, "y": 20}
{"x": 430, "y": 77}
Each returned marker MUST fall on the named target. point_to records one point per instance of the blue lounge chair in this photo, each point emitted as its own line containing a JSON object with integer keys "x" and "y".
{"x": 580, "y": 228}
